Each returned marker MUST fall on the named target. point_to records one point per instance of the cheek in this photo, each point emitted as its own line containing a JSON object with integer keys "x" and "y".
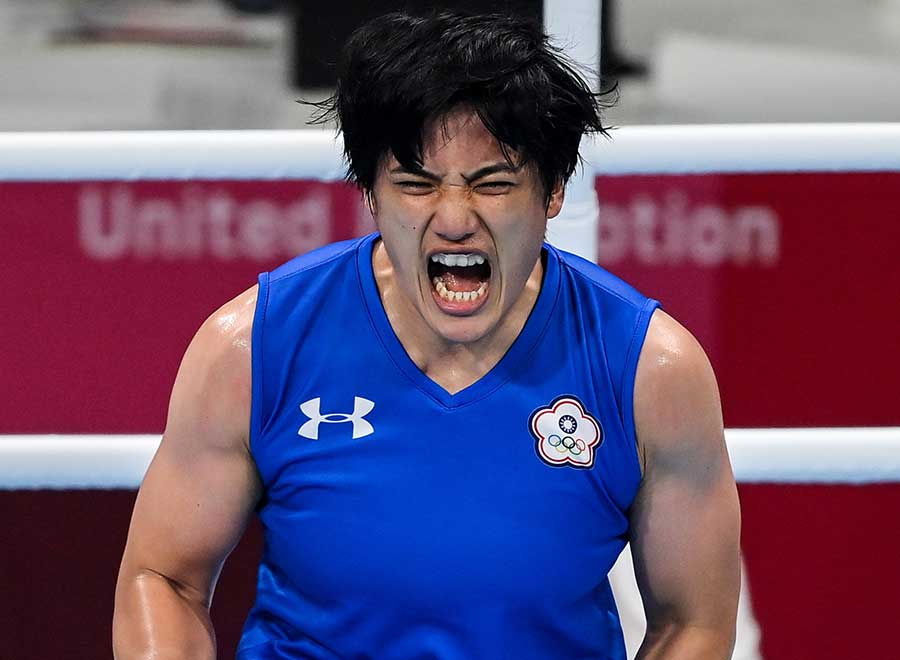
{"x": 399, "y": 217}
{"x": 519, "y": 244}
{"x": 395, "y": 227}
{"x": 401, "y": 237}
{"x": 522, "y": 228}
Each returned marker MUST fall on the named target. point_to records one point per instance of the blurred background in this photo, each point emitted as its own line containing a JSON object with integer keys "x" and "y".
{"x": 790, "y": 280}
{"x": 127, "y": 64}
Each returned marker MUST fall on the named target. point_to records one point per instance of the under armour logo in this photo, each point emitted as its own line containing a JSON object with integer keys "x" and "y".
{"x": 361, "y": 408}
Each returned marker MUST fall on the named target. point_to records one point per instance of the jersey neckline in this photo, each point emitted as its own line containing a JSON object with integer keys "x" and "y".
{"x": 534, "y": 327}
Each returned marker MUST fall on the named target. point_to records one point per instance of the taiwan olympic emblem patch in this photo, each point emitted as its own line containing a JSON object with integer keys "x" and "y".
{"x": 565, "y": 433}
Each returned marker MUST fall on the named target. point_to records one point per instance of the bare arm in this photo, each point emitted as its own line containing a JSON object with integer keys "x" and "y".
{"x": 686, "y": 517}
{"x": 195, "y": 499}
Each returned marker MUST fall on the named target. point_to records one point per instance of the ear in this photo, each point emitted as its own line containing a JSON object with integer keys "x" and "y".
{"x": 369, "y": 199}
{"x": 557, "y": 195}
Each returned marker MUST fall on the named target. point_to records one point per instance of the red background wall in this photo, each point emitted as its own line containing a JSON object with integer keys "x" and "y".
{"x": 791, "y": 281}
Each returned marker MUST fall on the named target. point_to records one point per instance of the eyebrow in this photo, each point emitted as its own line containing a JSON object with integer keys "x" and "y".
{"x": 488, "y": 170}
{"x": 417, "y": 171}
{"x": 468, "y": 178}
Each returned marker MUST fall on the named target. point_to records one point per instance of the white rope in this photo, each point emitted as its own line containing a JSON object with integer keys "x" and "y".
{"x": 749, "y": 148}
{"x": 315, "y": 154}
{"x": 821, "y": 456}
{"x": 815, "y": 455}
{"x": 74, "y": 461}
{"x": 170, "y": 155}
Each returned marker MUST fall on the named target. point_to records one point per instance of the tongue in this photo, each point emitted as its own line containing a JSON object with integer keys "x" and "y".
{"x": 461, "y": 278}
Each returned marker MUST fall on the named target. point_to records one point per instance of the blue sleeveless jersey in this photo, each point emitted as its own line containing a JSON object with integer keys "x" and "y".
{"x": 404, "y": 522}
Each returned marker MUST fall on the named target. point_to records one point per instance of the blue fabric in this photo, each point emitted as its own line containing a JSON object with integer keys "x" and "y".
{"x": 444, "y": 529}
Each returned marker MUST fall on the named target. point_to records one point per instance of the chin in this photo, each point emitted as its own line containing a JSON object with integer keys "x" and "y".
{"x": 462, "y": 330}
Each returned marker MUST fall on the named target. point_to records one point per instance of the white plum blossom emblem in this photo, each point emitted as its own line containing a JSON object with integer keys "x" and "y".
{"x": 565, "y": 433}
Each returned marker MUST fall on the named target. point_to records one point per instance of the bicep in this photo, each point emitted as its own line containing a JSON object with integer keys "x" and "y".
{"x": 685, "y": 519}
{"x": 202, "y": 484}
{"x": 190, "y": 512}
{"x": 685, "y": 540}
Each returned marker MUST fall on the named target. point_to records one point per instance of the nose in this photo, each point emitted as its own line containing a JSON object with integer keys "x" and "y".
{"x": 454, "y": 217}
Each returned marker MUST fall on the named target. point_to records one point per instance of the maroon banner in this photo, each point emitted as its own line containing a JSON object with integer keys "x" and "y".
{"x": 105, "y": 284}
{"x": 791, "y": 282}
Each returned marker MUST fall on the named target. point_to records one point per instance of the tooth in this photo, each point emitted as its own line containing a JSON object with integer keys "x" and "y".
{"x": 467, "y": 296}
{"x": 448, "y": 259}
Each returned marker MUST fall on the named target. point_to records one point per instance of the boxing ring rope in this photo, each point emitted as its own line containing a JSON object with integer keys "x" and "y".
{"x": 797, "y": 456}
{"x": 315, "y": 154}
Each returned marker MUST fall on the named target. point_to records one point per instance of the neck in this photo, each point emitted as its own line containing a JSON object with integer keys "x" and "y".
{"x": 452, "y": 365}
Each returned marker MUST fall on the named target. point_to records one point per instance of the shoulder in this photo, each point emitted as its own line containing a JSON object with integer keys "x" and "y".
{"x": 676, "y": 400}
{"x": 338, "y": 255}
{"x": 600, "y": 282}
{"x": 618, "y": 308}
{"x": 213, "y": 386}
{"x": 227, "y": 331}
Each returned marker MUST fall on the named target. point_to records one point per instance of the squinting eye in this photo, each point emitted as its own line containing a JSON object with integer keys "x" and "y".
{"x": 417, "y": 187}
{"x": 495, "y": 186}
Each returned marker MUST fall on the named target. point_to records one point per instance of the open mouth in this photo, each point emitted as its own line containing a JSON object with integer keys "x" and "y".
{"x": 460, "y": 281}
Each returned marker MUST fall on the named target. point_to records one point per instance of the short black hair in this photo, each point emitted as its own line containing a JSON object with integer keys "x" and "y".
{"x": 399, "y": 72}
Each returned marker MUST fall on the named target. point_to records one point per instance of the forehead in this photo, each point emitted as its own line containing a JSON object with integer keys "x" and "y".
{"x": 458, "y": 141}
{"x": 459, "y": 133}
